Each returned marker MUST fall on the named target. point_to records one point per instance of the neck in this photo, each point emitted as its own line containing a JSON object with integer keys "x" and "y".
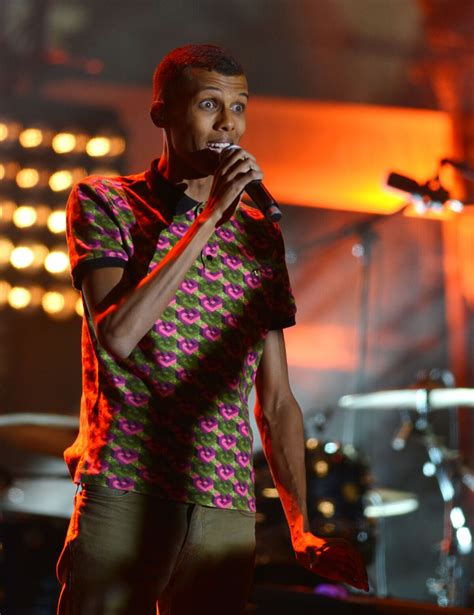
{"x": 196, "y": 187}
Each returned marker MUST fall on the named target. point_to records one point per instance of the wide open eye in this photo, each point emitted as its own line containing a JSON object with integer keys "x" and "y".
{"x": 208, "y": 104}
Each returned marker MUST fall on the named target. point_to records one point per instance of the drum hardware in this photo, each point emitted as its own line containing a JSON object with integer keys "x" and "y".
{"x": 444, "y": 464}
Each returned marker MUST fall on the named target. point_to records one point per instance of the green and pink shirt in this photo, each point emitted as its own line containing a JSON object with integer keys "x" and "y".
{"x": 172, "y": 419}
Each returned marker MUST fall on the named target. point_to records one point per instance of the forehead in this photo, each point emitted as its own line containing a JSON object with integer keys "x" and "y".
{"x": 198, "y": 79}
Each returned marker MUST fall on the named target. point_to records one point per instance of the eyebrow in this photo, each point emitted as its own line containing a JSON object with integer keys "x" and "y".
{"x": 219, "y": 90}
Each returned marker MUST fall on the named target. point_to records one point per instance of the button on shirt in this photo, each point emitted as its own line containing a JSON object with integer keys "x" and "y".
{"x": 172, "y": 419}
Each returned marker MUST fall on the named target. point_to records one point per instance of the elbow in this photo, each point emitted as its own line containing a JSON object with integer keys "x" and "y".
{"x": 113, "y": 339}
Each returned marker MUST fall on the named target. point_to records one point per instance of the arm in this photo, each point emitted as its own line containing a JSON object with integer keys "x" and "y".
{"x": 280, "y": 423}
{"x": 121, "y": 314}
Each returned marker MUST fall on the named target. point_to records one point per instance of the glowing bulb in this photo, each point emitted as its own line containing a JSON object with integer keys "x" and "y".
{"x": 6, "y": 248}
{"x": 3, "y": 131}
{"x": 464, "y": 538}
{"x": 117, "y": 146}
{"x": 5, "y": 288}
{"x": 7, "y": 209}
{"x": 79, "y": 307}
{"x": 56, "y": 261}
{"x": 331, "y": 447}
{"x": 24, "y": 216}
{"x": 22, "y": 257}
{"x": 27, "y": 178}
{"x": 321, "y": 468}
{"x": 53, "y": 302}
{"x": 19, "y": 297}
{"x": 98, "y": 146}
{"x": 30, "y": 137}
{"x": 312, "y": 443}
{"x": 61, "y": 180}
{"x": 64, "y": 142}
{"x": 326, "y": 508}
{"x": 57, "y": 221}
{"x": 2, "y": 171}
{"x": 457, "y": 517}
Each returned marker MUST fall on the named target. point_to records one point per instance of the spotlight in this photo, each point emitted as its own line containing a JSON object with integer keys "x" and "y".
{"x": 57, "y": 261}
{"x": 31, "y": 137}
{"x": 53, "y": 302}
{"x": 64, "y": 142}
{"x": 19, "y": 297}
{"x": 6, "y": 248}
{"x": 326, "y": 508}
{"x": 27, "y": 178}
{"x": 98, "y": 146}
{"x": 24, "y": 216}
{"x": 22, "y": 257}
{"x": 61, "y": 180}
{"x": 57, "y": 221}
{"x": 5, "y": 288}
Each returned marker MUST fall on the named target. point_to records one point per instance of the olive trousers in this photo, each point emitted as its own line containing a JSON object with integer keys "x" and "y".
{"x": 128, "y": 553}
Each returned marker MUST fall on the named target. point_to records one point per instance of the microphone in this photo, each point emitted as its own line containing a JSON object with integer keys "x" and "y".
{"x": 261, "y": 197}
{"x": 436, "y": 194}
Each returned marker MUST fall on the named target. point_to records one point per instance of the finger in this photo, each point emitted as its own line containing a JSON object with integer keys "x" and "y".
{"x": 244, "y": 167}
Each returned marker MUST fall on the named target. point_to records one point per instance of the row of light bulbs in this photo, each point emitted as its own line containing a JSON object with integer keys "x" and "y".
{"x": 27, "y": 216}
{"x": 64, "y": 142}
{"x": 33, "y": 256}
{"x": 59, "y": 303}
{"x": 57, "y": 181}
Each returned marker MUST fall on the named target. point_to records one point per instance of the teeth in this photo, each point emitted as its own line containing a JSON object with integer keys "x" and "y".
{"x": 218, "y": 146}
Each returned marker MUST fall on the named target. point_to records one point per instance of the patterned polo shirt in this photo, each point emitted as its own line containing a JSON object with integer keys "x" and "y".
{"x": 172, "y": 418}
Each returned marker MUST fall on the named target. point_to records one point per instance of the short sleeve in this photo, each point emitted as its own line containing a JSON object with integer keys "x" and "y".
{"x": 93, "y": 232}
{"x": 283, "y": 308}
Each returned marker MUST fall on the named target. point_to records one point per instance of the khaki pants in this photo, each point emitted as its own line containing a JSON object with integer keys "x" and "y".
{"x": 125, "y": 551}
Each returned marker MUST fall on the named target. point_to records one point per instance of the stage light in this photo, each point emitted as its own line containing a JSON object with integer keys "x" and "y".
{"x": 3, "y": 131}
{"x": 7, "y": 210}
{"x": 57, "y": 261}
{"x": 22, "y": 257}
{"x": 98, "y": 146}
{"x": 79, "y": 307}
{"x": 61, "y": 180}
{"x": 24, "y": 216}
{"x": 64, "y": 142}
{"x": 8, "y": 171}
{"x": 30, "y": 137}
{"x": 464, "y": 538}
{"x": 6, "y": 248}
{"x": 331, "y": 447}
{"x": 53, "y": 302}
{"x": 19, "y": 297}
{"x": 457, "y": 517}
{"x": 57, "y": 221}
{"x": 429, "y": 469}
{"x": 5, "y": 288}
{"x": 117, "y": 146}
{"x": 27, "y": 178}
{"x": 270, "y": 492}
{"x": 312, "y": 443}
{"x": 321, "y": 468}
{"x": 326, "y": 508}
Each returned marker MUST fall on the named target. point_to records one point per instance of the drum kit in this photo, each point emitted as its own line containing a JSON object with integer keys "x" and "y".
{"x": 342, "y": 500}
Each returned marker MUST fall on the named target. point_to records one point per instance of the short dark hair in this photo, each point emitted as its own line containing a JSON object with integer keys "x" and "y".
{"x": 171, "y": 68}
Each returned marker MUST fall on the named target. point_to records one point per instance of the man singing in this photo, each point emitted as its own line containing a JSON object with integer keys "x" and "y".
{"x": 186, "y": 293}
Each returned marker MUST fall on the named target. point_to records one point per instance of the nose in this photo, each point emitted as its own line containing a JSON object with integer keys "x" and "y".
{"x": 225, "y": 120}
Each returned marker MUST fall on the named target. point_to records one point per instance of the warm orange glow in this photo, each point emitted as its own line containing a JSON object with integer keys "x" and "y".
{"x": 338, "y": 155}
{"x": 322, "y": 346}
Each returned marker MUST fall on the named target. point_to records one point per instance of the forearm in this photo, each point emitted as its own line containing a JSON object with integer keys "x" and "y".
{"x": 127, "y": 320}
{"x": 282, "y": 434}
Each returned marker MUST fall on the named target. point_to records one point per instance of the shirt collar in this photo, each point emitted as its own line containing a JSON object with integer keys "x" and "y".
{"x": 172, "y": 196}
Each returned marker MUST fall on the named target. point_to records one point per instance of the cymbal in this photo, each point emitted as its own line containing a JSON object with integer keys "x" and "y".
{"x": 389, "y": 503}
{"x": 409, "y": 399}
{"x": 46, "y": 434}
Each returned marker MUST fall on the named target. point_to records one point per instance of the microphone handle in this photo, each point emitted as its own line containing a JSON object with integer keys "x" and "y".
{"x": 262, "y": 197}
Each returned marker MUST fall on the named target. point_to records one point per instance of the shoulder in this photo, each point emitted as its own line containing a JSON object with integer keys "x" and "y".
{"x": 254, "y": 221}
{"x": 105, "y": 185}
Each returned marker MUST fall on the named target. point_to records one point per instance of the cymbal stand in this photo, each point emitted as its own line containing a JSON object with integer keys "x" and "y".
{"x": 447, "y": 587}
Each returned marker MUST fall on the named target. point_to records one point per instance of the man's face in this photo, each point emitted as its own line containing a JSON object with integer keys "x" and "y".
{"x": 205, "y": 115}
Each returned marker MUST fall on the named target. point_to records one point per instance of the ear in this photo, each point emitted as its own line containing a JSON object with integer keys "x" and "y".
{"x": 157, "y": 113}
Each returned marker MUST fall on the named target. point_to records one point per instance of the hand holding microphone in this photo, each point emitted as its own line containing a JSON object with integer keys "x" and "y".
{"x": 261, "y": 196}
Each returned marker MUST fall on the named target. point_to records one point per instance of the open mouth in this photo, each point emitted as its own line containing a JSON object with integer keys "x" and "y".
{"x": 218, "y": 146}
